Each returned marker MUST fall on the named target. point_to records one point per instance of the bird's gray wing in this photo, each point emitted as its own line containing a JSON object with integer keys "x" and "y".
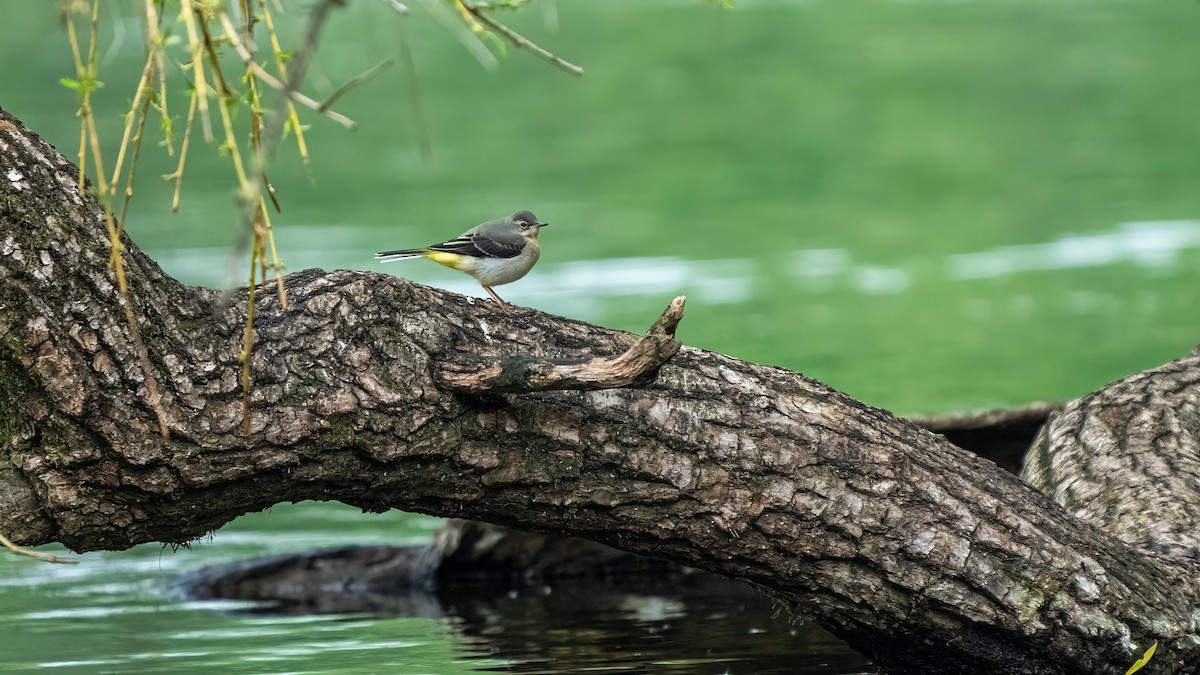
{"x": 499, "y": 244}
{"x": 484, "y": 245}
{"x": 463, "y": 245}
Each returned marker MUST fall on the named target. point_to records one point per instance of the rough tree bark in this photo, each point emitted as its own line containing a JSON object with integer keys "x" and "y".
{"x": 918, "y": 553}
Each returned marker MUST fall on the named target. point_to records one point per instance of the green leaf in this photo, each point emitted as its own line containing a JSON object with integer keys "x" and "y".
{"x": 168, "y": 128}
{"x": 1137, "y": 665}
{"x": 288, "y": 128}
{"x": 69, "y": 83}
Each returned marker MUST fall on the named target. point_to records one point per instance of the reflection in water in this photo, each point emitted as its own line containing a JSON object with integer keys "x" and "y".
{"x": 565, "y": 286}
{"x": 699, "y": 623}
{"x": 521, "y": 602}
{"x": 1150, "y": 244}
{"x": 874, "y": 280}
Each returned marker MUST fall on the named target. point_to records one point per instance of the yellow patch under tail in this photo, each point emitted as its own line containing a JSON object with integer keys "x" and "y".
{"x": 453, "y": 260}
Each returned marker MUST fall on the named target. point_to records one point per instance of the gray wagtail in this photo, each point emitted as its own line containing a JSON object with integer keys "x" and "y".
{"x": 496, "y": 252}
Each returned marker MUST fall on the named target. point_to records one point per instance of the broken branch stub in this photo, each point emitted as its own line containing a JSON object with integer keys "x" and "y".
{"x": 526, "y": 373}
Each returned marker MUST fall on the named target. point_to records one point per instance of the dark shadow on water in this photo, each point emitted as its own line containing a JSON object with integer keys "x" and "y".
{"x": 697, "y": 623}
{"x": 651, "y": 619}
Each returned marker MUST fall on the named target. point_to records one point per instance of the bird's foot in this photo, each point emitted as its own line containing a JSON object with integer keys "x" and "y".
{"x": 504, "y": 306}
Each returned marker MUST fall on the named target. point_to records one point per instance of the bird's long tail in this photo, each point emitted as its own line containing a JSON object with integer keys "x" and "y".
{"x": 402, "y": 254}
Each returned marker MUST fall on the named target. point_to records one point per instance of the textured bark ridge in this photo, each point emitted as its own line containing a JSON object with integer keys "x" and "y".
{"x": 1127, "y": 459}
{"x": 924, "y": 556}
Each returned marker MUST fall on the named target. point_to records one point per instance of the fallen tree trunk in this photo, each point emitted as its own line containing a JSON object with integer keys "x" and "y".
{"x": 382, "y": 394}
{"x": 1002, "y": 436}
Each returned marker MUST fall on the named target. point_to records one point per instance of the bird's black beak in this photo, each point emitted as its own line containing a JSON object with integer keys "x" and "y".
{"x": 543, "y": 224}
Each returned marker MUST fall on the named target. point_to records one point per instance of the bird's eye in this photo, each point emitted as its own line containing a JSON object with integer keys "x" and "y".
{"x": 522, "y": 223}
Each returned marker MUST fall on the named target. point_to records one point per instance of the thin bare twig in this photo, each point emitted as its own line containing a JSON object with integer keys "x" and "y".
{"x": 212, "y": 56}
{"x": 44, "y": 557}
{"x": 274, "y": 82}
{"x": 472, "y": 44}
{"x": 247, "y": 354}
{"x": 137, "y": 151}
{"x": 155, "y": 43}
{"x": 143, "y": 83}
{"x": 355, "y": 81}
{"x": 177, "y": 176}
{"x": 272, "y": 132}
{"x": 293, "y": 118}
{"x": 410, "y": 69}
{"x": 516, "y": 38}
{"x": 197, "y": 67}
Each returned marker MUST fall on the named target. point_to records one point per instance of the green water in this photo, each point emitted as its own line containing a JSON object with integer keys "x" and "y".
{"x": 933, "y": 206}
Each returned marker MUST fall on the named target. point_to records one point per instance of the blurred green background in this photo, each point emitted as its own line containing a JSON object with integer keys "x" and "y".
{"x": 930, "y": 205}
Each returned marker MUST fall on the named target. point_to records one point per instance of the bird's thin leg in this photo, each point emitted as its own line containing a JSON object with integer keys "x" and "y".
{"x": 503, "y": 304}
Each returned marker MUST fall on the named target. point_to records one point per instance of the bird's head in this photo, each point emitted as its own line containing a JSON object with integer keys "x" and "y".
{"x": 527, "y": 224}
